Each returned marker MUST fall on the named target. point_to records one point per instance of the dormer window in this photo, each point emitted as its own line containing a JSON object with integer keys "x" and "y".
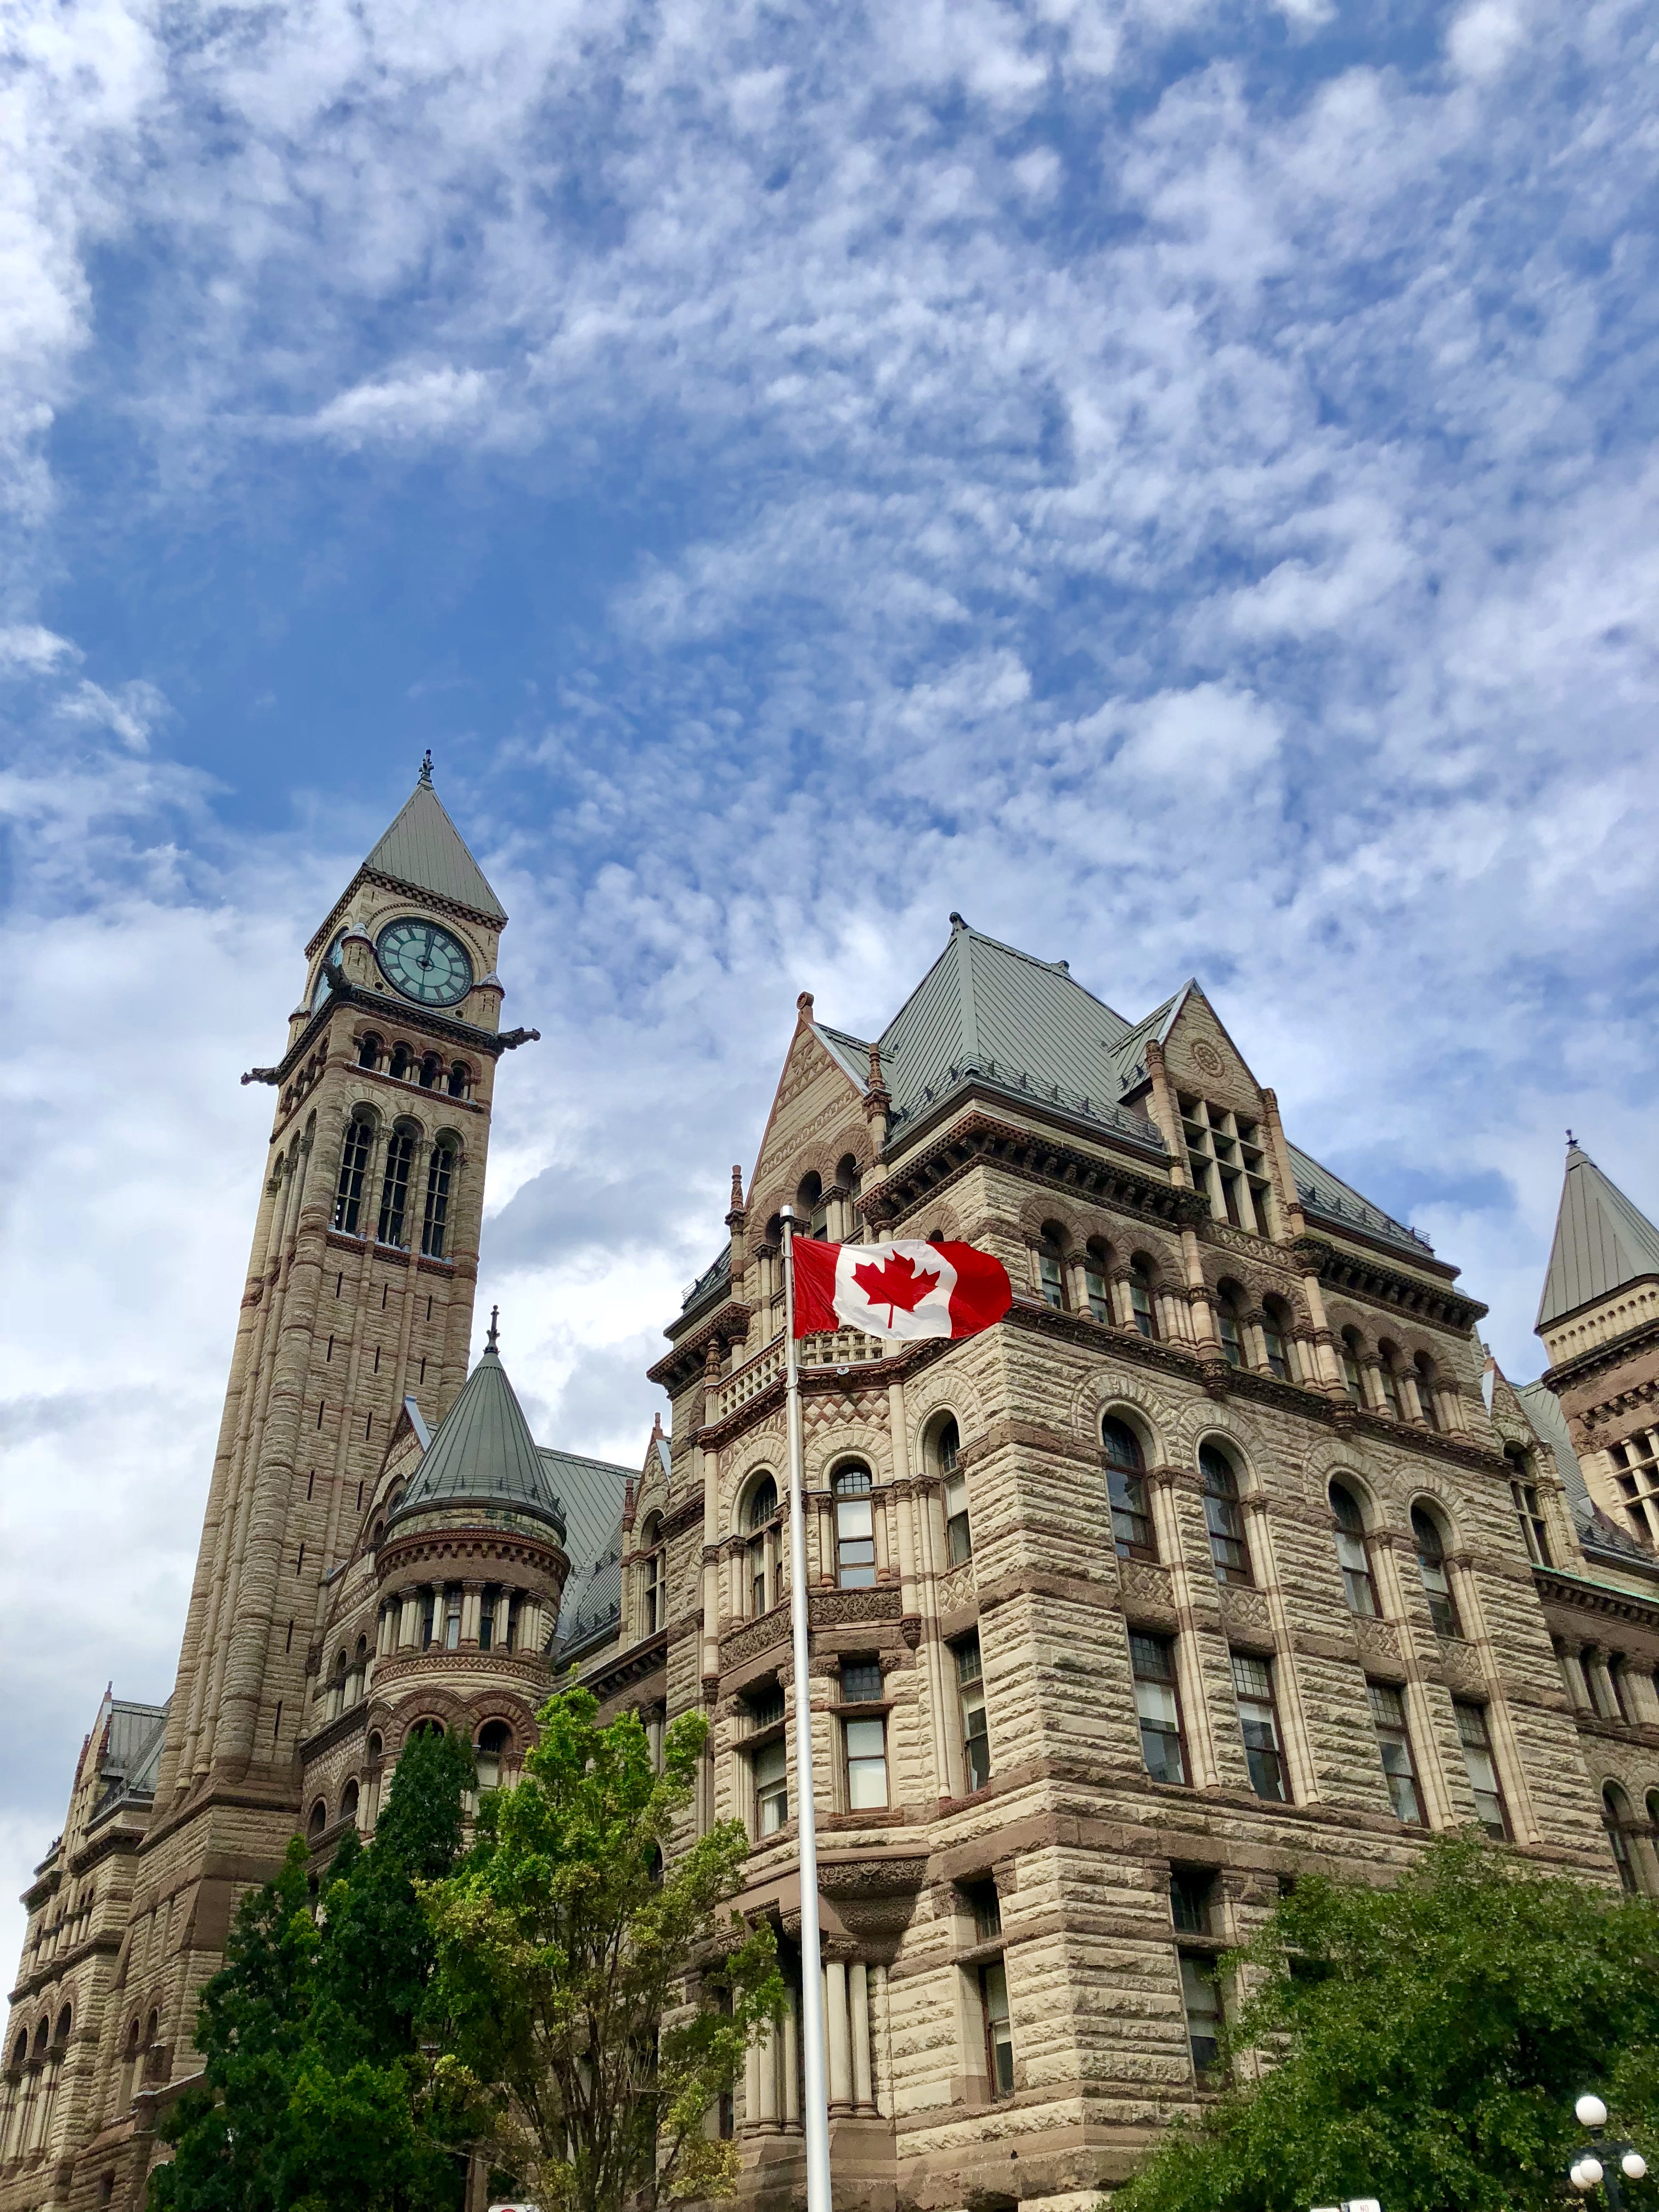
{"x": 1226, "y": 1161}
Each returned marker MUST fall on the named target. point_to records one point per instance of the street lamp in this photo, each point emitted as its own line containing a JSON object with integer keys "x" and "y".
{"x": 1352, "y": 2204}
{"x": 1589, "y": 2170}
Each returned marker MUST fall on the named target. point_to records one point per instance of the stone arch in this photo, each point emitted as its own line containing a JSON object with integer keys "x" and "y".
{"x": 426, "y": 1707}
{"x": 855, "y": 1439}
{"x": 1109, "y": 1387}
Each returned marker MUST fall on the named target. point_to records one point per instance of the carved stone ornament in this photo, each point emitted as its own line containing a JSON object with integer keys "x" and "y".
{"x": 1145, "y": 1587}
{"x": 1205, "y": 1058}
{"x": 1245, "y": 1609}
{"x": 1461, "y": 1662}
{"x": 1378, "y": 1639}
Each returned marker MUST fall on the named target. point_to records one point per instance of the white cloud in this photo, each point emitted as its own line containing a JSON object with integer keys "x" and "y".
{"x": 419, "y": 404}
{"x": 1482, "y": 39}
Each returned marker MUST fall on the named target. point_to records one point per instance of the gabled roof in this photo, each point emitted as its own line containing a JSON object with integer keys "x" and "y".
{"x": 130, "y": 1759}
{"x": 1322, "y": 1192}
{"x": 598, "y": 1601}
{"x": 1602, "y": 1242}
{"x": 425, "y": 850}
{"x": 1129, "y": 1053}
{"x": 483, "y": 1455}
{"x": 592, "y": 1491}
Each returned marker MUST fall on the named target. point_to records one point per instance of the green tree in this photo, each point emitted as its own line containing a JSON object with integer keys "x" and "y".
{"x": 316, "y": 2090}
{"x": 1427, "y": 2042}
{"x": 596, "y": 1990}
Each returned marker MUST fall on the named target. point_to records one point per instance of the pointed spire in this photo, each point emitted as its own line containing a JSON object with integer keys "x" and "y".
{"x": 483, "y": 1455}
{"x": 1602, "y": 1241}
{"x": 425, "y": 852}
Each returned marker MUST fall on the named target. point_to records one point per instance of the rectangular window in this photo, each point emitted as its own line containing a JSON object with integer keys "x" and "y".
{"x": 1191, "y": 1889}
{"x": 451, "y": 1620}
{"x": 1157, "y": 1703}
{"x": 428, "y": 1618}
{"x": 866, "y": 1765}
{"x": 861, "y": 1682}
{"x": 998, "y": 2036}
{"x": 1050, "y": 1279}
{"x": 1253, "y": 1683}
{"x": 971, "y": 1695}
{"x": 436, "y": 1217}
{"x": 1530, "y": 1515}
{"x": 771, "y": 1788}
{"x": 1389, "y": 1712}
{"x": 959, "y": 1536}
{"x": 1094, "y": 1285}
{"x": 1483, "y": 1774}
{"x": 987, "y": 1908}
{"x": 486, "y": 1620}
{"x": 1273, "y": 1339}
{"x": 766, "y": 1705}
{"x": 1202, "y": 1999}
{"x": 855, "y": 1535}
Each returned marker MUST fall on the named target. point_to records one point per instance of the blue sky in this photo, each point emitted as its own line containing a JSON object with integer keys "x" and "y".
{"x": 1175, "y": 482}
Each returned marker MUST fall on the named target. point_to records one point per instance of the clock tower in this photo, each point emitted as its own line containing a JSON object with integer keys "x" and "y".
{"x": 357, "y": 1313}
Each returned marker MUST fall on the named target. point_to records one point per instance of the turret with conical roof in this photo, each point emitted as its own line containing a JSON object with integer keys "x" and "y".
{"x": 1604, "y": 1245}
{"x": 482, "y": 1462}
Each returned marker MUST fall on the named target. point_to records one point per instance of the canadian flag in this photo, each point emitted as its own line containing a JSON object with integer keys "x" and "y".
{"x": 904, "y": 1289}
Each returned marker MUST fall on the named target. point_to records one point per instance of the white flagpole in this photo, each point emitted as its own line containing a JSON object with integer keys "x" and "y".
{"x": 815, "y": 2105}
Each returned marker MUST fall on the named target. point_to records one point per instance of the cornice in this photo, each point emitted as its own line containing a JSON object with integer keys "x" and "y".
{"x": 1555, "y": 1585}
{"x": 1051, "y": 1161}
{"x": 492, "y": 924}
{"x": 1609, "y": 1354}
{"x": 728, "y": 1323}
{"x": 492, "y": 1043}
{"x": 1392, "y": 1287}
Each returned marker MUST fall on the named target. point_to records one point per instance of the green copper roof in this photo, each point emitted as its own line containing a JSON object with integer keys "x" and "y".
{"x": 483, "y": 1455}
{"x": 425, "y": 850}
{"x": 1602, "y": 1242}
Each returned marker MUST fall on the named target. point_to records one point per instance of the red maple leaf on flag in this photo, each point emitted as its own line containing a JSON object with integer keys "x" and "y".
{"x": 897, "y": 1283}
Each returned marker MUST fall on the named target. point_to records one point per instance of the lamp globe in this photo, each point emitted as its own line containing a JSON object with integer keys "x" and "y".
{"x": 1591, "y": 2110}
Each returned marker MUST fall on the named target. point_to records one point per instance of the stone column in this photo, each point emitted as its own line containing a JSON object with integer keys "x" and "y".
{"x": 471, "y": 1605}
{"x": 1287, "y": 1693}
{"x": 409, "y": 1618}
{"x": 1572, "y": 1670}
{"x": 858, "y": 2005}
{"x": 791, "y": 2061}
{"x": 1327, "y": 1368}
{"x": 836, "y": 2036}
{"x": 1189, "y": 1668}
{"x": 1201, "y": 1309}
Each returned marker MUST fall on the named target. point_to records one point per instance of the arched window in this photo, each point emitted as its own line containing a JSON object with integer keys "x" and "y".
{"x": 61, "y": 2033}
{"x": 350, "y": 1801}
{"x": 811, "y": 1212}
{"x": 129, "y": 2063}
{"x": 1097, "y": 1267}
{"x": 1223, "y": 1515}
{"x": 394, "y": 1187}
{"x": 1141, "y": 1295}
{"x": 1227, "y": 1324}
{"x": 1351, "y": 1554}
{"x": 1349, "y": 1349}
{"x": 432, "y": 1072}
{"x": 1616, "y": 1814}
{"x": 855, "y": 1528}
{"x": 1653, "y": 1808}
{"x": 376, "y": 1745}
{"x": 761, "y": 1557}
{"x": 1431, "y": 1565}
{"x": 1425, "y": 1388}
{"x": 354, "y": 1166}
{"x": 1388, "y": 1365}
{"x": 403, "y": 1062}
{"x": 1051, "y": 1265}
{"x": 490, "y": 1752}
{"x": 1126, "y": 1486}
{"x": 369, "y": 1049}
{"x": 958, "y": 1531}
{"x": 1275, "y": 1328}
{"x": 434, "y": 1221}
{"x": 1523, "y": 1491}
{"x": 459, "y": 1079}
{"x": 318, "y": 1819}
{"x": 653, "y": 1578}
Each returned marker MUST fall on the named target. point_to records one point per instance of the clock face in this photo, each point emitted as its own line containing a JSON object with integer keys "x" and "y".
{"x": 332, "y": 953}
{"x": 425, "y": 963}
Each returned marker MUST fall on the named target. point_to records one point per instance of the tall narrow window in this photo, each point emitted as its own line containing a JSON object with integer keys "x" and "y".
{"x": 771, "y": 1788}
{"x": 1388, "y": 1378}
{"x": 1192, "y": 1893}
{"x": 1431, "y": 1565}
{"x": 1426, "y": 1389}
{"x": 761, "y": 1557}
{"x": 486, "y": 1619}
{"x": 1126, "y": 1487}
{"x": 970, "y": 1701}
{"x": 354, "y": 1166}
{"x": 1140, "y": 1296}
{"x": 1253, "y": 1685}
{"x": 1273, "y": 1337}
{"x": 1482, "y": 1770}
{"x": 1202, "y": 1999}
{"x": 1223, "y": 1518}
{"x": 452, "y": 1618}
{"x": 998, "y": 2035}
{"x": 855, "y": 1530}
{"x": 1348, "y": 1350}
{"x": 653, "y": 1578}
{"x": 428, "y": 1618}
{"x": 1157, "y": 1706}
{"x": 1051, "y": 1272}
{"x": 394, "y": 1190}
{"x": 1529, "y": 1512}
{"x": 1388, "y": 1713}
{"x": 1352, "y": 1555}
{"x": 1616, "y": 1815}
{"x": 1226, "y": 1321}
{"x": 1094, "y": 1285}
{"x": 958, "y": 1530}
{"x": 490, "y": 1752}
{"x": 867, "y": 1763}
{"x": 436, "y": 1220}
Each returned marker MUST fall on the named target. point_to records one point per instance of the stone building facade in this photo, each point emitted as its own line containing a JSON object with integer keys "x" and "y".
{"x": 1227, "y": 1554}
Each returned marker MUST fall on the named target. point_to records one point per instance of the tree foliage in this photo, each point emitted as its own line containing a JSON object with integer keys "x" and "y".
{"x": 596, "y": 1990}
{"x": 1427, "y": 2042}
{"x": 316, "y": 2093}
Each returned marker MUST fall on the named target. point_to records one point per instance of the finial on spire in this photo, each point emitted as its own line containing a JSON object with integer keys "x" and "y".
{"x": 1572, "y": 1140}
{"x": 736, "y": 1188}
{"x": 490, "y": 1344}
{"x": 426, "y": 766}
